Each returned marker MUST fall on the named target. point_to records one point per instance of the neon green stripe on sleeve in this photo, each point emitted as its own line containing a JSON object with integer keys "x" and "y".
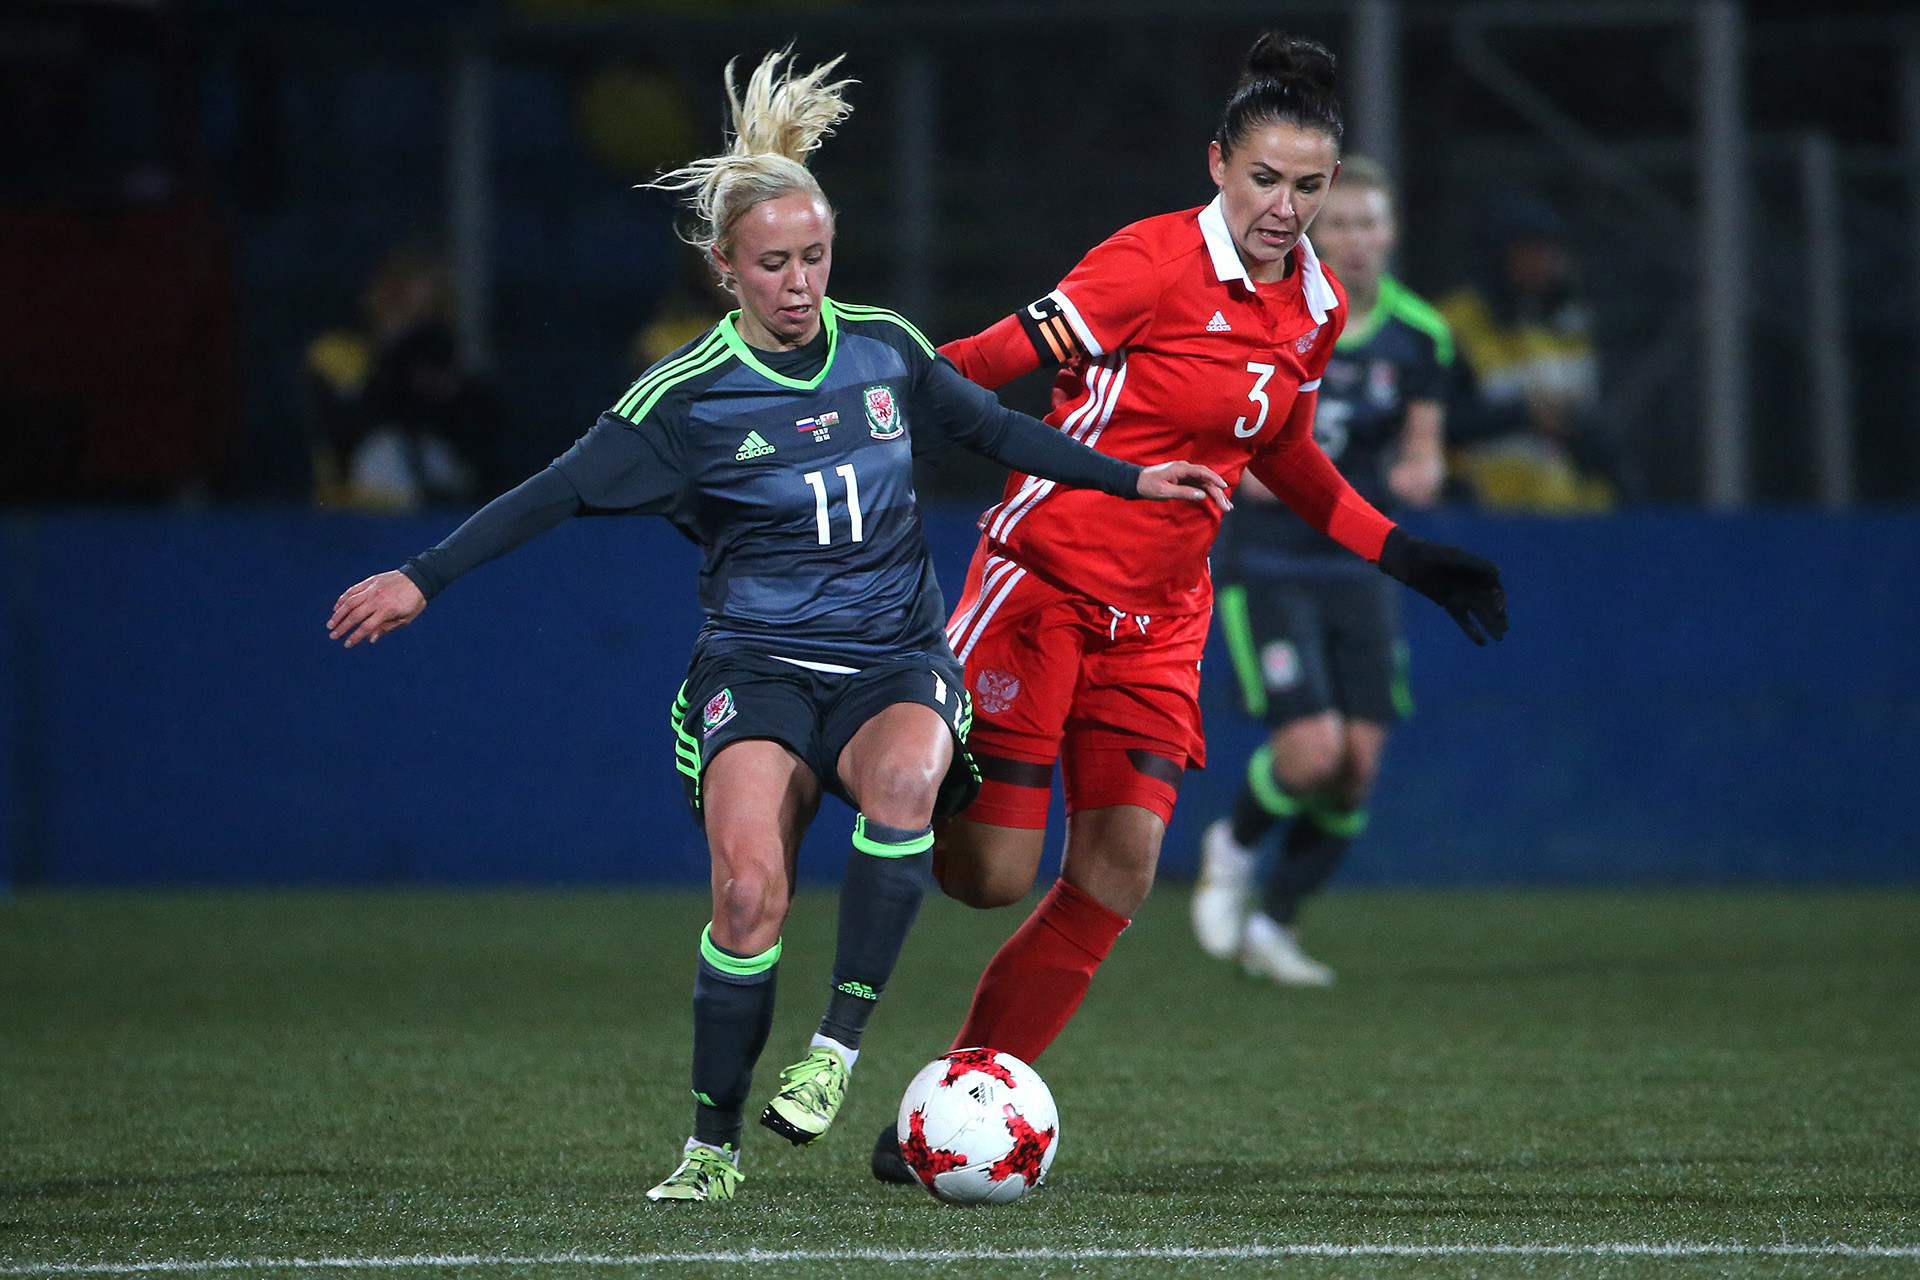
{"x": 667, "y": 370}
{"x": 854, "y": 311}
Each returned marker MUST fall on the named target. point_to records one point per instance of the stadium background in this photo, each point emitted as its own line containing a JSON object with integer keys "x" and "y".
{"x": 1713, "y": 684}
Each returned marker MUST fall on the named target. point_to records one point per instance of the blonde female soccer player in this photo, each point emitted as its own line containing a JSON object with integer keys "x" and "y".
{"x": 782, "y": 443}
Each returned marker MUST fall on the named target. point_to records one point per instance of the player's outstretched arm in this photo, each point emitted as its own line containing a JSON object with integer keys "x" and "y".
{"x": 385, "y": 602}
{"x": 951, "y": 409}
{"x": 1464, "y": 584}
{"x": 388, "y": 601}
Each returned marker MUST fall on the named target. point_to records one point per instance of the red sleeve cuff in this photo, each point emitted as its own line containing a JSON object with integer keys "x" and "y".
{"x": 994, "y": 356}
{"x": 1301, "y": 476}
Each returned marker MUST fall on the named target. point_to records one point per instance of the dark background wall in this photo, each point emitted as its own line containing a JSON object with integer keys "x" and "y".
{"x": 1683, "y": 699}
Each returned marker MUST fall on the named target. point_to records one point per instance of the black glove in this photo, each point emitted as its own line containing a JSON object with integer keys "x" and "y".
{"x": 1460, "y": 582}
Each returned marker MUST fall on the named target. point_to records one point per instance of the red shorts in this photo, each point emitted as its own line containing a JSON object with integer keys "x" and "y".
{"x": 1056, "y": 675}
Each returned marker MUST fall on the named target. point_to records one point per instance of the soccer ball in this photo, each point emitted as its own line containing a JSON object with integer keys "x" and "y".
{"x": 979, "y": 1127}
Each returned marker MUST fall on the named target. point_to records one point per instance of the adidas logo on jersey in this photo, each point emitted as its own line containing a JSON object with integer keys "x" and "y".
{"x": 752, "y": 447}
{"x": 1218, "y": 324}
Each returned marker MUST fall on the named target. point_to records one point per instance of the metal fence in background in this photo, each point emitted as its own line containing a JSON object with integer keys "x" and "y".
{"x": 1744, "y": 197}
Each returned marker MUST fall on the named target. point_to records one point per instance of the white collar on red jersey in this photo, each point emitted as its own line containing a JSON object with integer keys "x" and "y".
{"x": 1320, "y": 297}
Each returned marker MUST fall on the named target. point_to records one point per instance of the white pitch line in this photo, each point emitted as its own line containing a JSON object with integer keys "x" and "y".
{"x": 1169, "y": 1253}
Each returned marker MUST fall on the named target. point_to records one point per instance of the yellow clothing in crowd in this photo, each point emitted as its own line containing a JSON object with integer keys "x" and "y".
{"x": 1551, "y": 368}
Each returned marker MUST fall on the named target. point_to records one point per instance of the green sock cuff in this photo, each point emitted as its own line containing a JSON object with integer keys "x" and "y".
{"x": 1261, "y": 782}
{"x": 889, "y": 842}
{"x": 1345, "y": 823}
{"x": 738, "y": 966}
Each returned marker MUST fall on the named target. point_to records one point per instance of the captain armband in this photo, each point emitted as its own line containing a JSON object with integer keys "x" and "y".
{"x": 1058, "y": 336}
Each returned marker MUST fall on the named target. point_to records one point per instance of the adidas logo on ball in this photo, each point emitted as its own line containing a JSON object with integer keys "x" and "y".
{"x": 978, "y": 1126}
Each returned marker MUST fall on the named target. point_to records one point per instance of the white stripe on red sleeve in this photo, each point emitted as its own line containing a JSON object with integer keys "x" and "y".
{"x": 1091, "y": 343}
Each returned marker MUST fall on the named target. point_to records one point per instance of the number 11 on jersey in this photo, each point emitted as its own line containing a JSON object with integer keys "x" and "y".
{"x": 818, "y": 481}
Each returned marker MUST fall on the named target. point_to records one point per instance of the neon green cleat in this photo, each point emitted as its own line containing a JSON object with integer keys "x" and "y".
{"x": 811, "y": 1091}
{"x": 705, "y": 1174}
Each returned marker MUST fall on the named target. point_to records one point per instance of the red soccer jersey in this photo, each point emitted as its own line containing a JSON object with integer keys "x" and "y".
{"x": 1167, "y": 350}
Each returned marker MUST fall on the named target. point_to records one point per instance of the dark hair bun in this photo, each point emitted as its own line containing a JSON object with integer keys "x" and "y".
{"x": 1278, "y": 56}
{"x": 1287, "y": 80}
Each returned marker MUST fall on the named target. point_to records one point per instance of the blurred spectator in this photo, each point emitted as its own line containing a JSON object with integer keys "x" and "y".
{"x": 690, "y": 306}
{"x": 635, "y": 121}
{"x": 1529, "y": 439}
{"x": 397, "y": 421}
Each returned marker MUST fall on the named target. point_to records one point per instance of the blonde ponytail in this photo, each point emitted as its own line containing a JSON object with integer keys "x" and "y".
{"x": 777, "y": 123}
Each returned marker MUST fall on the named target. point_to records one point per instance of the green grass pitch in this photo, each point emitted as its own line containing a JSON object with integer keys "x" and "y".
{"x": 502, "y": 1075}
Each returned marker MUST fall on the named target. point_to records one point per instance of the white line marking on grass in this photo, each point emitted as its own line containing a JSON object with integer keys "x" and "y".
{"x": 1169, "y": 1253}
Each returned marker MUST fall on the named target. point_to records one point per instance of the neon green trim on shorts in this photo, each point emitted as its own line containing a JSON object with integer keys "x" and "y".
{"x": 738, "y": 966}
{"x": 1402, "y": 687}
{"x": 686, "y": 747}
{"x": 1238, "y": 629}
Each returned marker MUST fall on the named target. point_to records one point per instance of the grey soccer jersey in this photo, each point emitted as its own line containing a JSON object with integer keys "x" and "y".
{"x": 799, "y": 491}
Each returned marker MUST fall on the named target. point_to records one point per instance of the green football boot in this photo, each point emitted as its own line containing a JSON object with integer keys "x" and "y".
{"x": 811, "y": 1091}
{"x": 705, "y": 1174}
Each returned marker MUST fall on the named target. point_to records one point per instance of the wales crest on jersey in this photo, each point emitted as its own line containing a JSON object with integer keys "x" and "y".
{"x": 883, "y": 414}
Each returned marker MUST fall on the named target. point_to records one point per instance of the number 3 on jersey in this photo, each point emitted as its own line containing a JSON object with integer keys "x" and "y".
{"x": 818, "y": 482}
{"x": 1260, "y": 372}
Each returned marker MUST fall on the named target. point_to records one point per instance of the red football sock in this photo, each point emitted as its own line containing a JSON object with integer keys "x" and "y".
{"x": 1038, "y": 978}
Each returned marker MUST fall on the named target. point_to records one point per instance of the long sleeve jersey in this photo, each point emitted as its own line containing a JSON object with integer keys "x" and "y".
{"x": 793, "y": 472}
{"x": 1166, "y": 349}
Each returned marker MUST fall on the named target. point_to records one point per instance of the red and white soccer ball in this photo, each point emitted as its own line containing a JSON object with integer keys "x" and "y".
{"x": 979, "y": 1127}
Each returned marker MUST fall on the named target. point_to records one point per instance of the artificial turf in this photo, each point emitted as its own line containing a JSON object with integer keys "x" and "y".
{"x": 213, "y": 1076}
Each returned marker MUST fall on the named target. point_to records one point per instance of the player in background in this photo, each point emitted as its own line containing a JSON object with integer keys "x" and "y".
{"x": 1199, "y": 334}
{"x": 782, "y": 443}
{"x": 1314, "y": 634}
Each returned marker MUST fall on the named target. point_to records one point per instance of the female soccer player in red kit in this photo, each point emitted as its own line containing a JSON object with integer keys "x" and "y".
{"x": 1197, "y": 335}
